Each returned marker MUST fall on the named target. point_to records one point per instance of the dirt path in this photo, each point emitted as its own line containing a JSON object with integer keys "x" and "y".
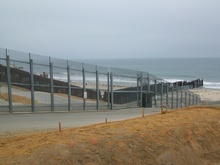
{"x": 186, "y": 136}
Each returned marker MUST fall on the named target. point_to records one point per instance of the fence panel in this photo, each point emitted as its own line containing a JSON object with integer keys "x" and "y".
{"x": 31, "y": 82}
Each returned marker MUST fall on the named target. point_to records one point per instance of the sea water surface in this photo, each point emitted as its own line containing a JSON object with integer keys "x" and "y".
{"x": 170, "y": 69}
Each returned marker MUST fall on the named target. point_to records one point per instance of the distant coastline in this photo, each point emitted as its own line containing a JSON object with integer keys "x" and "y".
{"x": 170, "y": 69}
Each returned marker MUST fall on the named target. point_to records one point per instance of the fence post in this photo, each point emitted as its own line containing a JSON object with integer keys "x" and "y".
{"x": 189, "y": 99}
{"x": 148, "y": 84}
{"x": 9, "y": 82}
{"x": 109, "y": 97}
{"x": 181, "y": 99}
{"x": 84, "y": 87}
{"x": 155, "y": 92}
{"x": 177, "y": 98}
{"x": 97, "y": 88}
{"x": 32, "y": 84}
{"x": 112, "y": 92}
{"x": 69, "y": 87}
{"x": 167, "y": 95}
{"x": 51, "y": 85}
{"x": 172, "y": 99}
{"x": 193, "y": 97}
{"x": 138, "y": 88}
{"x": 196, "y": 100}
{"x": 141, "y": 91}
{"x": 186, "y": 99}
{"x": 161, "y": 98}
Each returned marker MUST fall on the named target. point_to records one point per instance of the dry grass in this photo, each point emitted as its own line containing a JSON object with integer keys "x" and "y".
{"x": 185, "y": 136}
{"x": 16, "y": 99}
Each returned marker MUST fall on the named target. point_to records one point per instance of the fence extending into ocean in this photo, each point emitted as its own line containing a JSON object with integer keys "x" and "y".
{"x": 30, "y": 82}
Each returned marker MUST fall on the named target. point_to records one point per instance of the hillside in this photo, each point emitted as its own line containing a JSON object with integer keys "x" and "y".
{"x": 185, "y": 136}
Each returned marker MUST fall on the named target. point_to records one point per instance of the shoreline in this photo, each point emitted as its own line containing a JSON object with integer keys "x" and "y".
{"x": 207, "y": 94}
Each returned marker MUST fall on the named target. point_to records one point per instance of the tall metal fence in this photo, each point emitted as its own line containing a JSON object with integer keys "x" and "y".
{"x": 30, "y": 82}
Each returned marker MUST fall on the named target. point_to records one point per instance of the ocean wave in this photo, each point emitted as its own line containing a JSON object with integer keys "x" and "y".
{"x": 212, "y": 85}
{"x": 92, "y": 78}
{"x": 173, "y": 80}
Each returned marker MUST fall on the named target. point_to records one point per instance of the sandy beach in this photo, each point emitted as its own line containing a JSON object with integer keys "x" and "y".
{"x": 206, "y": 94}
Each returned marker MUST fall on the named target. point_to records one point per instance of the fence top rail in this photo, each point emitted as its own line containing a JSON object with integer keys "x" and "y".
{"x": 47, "y": 65}
{"x": 24, "y": 62}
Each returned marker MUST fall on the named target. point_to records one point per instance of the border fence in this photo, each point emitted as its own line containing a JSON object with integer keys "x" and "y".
{"x": 30, "y": 82}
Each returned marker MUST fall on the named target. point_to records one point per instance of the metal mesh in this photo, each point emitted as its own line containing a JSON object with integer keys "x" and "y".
{"x": 59, "y": 84}
{"x": 18, "y": 56}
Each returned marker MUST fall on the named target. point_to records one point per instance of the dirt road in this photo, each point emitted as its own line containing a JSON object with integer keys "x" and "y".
{"x": 38, "y": 121}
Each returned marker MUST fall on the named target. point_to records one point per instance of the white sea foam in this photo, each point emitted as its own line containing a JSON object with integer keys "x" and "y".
{"x": 212, "y": 85}
{"x": 173, "y": 80}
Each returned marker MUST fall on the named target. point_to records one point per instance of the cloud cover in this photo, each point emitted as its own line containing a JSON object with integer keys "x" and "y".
{"x": 111, "y": 29}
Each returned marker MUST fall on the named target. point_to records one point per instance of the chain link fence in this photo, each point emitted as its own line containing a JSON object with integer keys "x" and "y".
{"x": 30, "y": 82}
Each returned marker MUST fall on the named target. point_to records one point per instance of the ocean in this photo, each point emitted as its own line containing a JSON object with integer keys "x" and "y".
{"x": 170, "y": 69}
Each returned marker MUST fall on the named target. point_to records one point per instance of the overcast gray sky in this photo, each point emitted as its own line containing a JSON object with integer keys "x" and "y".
{"x": 111, "y": 28}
